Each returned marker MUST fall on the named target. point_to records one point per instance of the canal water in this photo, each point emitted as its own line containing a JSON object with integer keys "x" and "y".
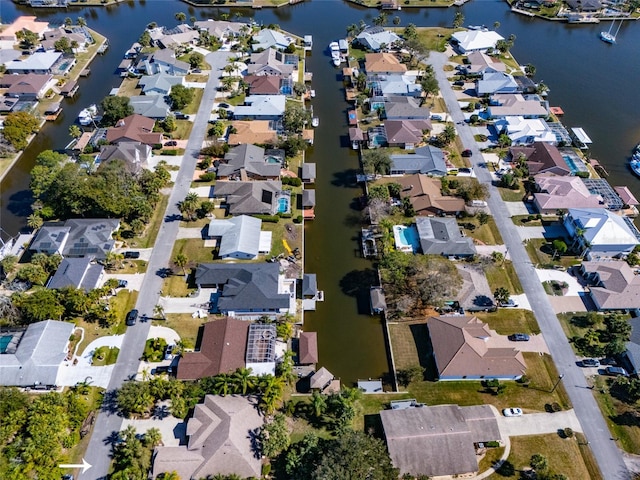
{"x": 596, "y": 84}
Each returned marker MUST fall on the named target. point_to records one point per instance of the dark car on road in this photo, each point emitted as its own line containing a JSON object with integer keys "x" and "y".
{"x": 467, "y": 153}
{"x": 132, "y": 316}
{"x": 519, "y": 337}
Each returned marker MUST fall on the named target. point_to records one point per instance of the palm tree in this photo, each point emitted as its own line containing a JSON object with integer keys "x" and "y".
{"x": 34, "y": 221}
{"x": 243, "y": 379}
{"x": 180, "y": 16}
{"x": 319, "y": 404}
{"x": 496, "y": 25}
{"x": 153, "y": 438}
{"x": 381, "y": 19}
{"x": 221, "y": 384}
{"x": 68, "y": 22}
{"x": 81, "y": 21}
{"x": 181, "y": 261}
{"x": 189, "y": 205}
{"x": 158, "y": 311}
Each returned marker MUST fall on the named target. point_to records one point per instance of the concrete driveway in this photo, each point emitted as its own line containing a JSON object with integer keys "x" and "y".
{"x": 574, "y": 290}
{"x": 187, "y": 304}
{"x": 145, "y": 253}
{"x": 134, "y": 280}
{"x": 535, "y": 344}
{"x": 538, "y": 423}
{"x": 173, "y": 429}
{"x": 517, "y": 208}
{"x": 190, "y": 232}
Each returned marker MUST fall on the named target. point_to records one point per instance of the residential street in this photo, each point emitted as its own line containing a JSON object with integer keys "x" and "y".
{"x": 606, "y": 452}
{"x": 99, "y": 448}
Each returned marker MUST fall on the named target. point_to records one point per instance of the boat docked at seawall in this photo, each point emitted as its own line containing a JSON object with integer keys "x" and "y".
{"x": 634, "y": 163}
{"x": 88, "y": 115}
{"x": 334, "y": 49}
{"x": 608, "y": 36}
{"x": 315, "y": 121}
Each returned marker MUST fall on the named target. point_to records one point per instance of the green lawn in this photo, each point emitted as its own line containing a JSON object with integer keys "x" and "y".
{"x": 236, "y": 100}
{"x": 487, "y": 234}
{"x": 177, "y": 285}
{"x": 195, "y": 103}
{"x": 194, "y": 249}
{"x": 185, "y": 325}
{"x": 183, "y": 129}
{"x": 533, "y": 221}
{"x": 509, "y": 195}
{"x": 564, "y": 455}
{"x": 148, "y": 237}
{"x": 540, "y": 252}
{"x": 506, "y": 321}
{"x": 504, "y": 275}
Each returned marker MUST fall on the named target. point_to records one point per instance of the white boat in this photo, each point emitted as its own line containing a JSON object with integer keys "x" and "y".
{"x": 88, "y": 115}
{"x": 312, "y": 93}
{"x": 635, "y": 166}
{"x": 334, "y": 47}
{"x": 315, "y": 121}
{"x": 336, "y": 61}
{"x": 609, "y": 37}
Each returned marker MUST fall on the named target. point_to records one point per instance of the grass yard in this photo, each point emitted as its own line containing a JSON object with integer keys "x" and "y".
{"x": 148, "y": 237}
{"x": 504, "y": 275}
{"x": 509, "y": 195}
{"x": 235, "y": 100}
{"x": 487, "y": 234}
{"x": 564, "y": 455}
{"x": 490, "y": 458}
{"x": 129, "y": 87}
{"x": 94, "y": 399}
{"x": 185, "y": 325}
{"x": 506, "y": 321}
{"x": 435, "y": 38}
{"x": 405, "y": 338}
{"x": 199, "y": 223}
{"x": 284, "y": 229}
{"x": 194, "y": 249}
{"x": 105, "y": 356}
{"x": 534, "y": 221}
{"x": 183, "y": 129}
{"x": 177, "y": 285}
{"x": 541, "y": 255}
{"x": 195, "y": 103}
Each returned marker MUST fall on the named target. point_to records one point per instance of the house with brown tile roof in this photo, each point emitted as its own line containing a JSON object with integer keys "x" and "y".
{"x": 263, "y": 84}
{"x": 379, "y": 63}
{"x": 613, "y": 285}
{"x": 405, "y": 133}
{"x": 557, "y": 193}
{"x": 222, "y": 350}
{"x": 308, "y": 348}
{"x": 27, "y": 85}
{"x": 438, "y": 440}
{"x": 426, "y": 196}
{"x": 221, "y": 437}
{"x": 257, "y": 132}
{"x": 540, "y": 157}
{"x": 626, "y": 196}
{"x": 463, "y": 350}
{"x": 134, "y": 128}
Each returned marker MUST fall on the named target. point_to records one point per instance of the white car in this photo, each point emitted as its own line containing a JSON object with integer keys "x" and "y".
{"x": 512, "y": 412}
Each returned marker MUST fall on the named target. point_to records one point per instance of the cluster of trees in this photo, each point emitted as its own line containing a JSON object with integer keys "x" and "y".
{"x": 181, "y": 96}
{"x": 468, "y": 189}
{"x": 37, "y": 432}
{"x": 376, "y": 162}
{"x": 115, "y": 108}
{"x": 65, "y": 46}
{"x": 447, "y": 136}
{"x": 64, "y": 190}
{"x": 295, "y": 118}
{"x": 415, "y": 282}
{"x": 18, "y": 126}
{"x": 503, "y": 46}
{"x": 132, "y": 454}
{"x": 193, "y": 208}
{"x": 138, "y": 398}
{"x": 605, "y": 334}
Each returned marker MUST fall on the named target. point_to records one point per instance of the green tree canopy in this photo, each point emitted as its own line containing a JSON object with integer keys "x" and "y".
{"x": 40, "y": 305}
{"x": 180, "y": 96}
{"x": 17, "y": 128}
{"x": 115, "y": 108}
{"x": 295, "y": 118}
{"x": 376, "y": 162}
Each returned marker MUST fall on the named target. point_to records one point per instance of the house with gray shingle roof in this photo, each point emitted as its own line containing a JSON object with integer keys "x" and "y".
{"x": 268, "y": 38}
{"x": 79, "y": 237}
{"x": 428, "y": 160}
{"x": 248, "y": 162}
{"x": 308, "y": 173}
{"x": 50, "y": 239}
{"x": 441, "y": 236}
{"x": 164, "y": 61}
{"x": 34, "y": 358}
{"x": 250, "y": 289}
{"x": 261, "y": 107}
{"x": 136, "y": 155}
{"x": 160, "y": 83}
{"x": 272, "y": 62}
{"x": 613, "y": 285}
{"x": 150, "y": 106}
{"x": 257, "y": 197}
{"x": 240, "y": 237}
{"x": 407, "y": 111}
{"x": 496, "y": 82}
{"x": 79, "y": 273}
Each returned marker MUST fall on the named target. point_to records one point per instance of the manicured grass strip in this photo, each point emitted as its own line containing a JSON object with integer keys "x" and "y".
{"x": 185, "y": 325}
{"x": 504, "y": 275}
{"x": 506, "y": 321}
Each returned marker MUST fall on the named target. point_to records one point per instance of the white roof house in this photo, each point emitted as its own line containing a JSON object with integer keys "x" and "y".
{"x": 34, "y": 357}
{"x": 374, "y": 38}
{"x": 524, "y": 131}
{"x": 38, "y": 62}
{"x": 476, "y": 40}
{"x": 602, "y": 232}
{"x": 240, "y": 237}
{"x": 261, "y": 107}
{"x": 267, "y": 38}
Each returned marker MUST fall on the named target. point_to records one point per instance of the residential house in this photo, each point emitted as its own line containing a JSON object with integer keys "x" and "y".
{"x": 163, "y": 61}
{"x": 252, "y": 132}
{"x": 377, "y": 38}
{"x": 80, "y": 273}
{"x": 434, "y": 441}
{"x": 514, "y": 104}
{"x": 261, "y": 349}
{"x": 222, "y": 29}
{"x": 525, "y": 84}
{"x": 442, "y": 236}
{"x": 240, "y": 237}
{"x": 27, "y": 86}
{"x": 613, "y": 284}
{"x": 308, "y": 173}
{"x": 383, "y": 64}
{"x": 524, "y": 131}
{"x": 307, "y": 348}
{"x": 135, "y": 154}
{"x": 324, "y": 381}
{"x": 397, "y": 110}
{"x": 248, "y": 162}
{"x": 34, "y": 356}
{"x": 69, "y": 89}
{"x": 50, "y": 239}
{"x": 428, "y": 160}
{"x": 426, "y": 197}
{"x": 150, "y": 106}
{"x": 160, "y": 83}
{"x": 8, "y": 55}
{"x": 496, "y": 82}
{"x": 405, "y": 133}
{"x": 134, "y": 128}
{"x": 52, "y": 36}
{"x": 222, "y": 350}
{"x": 8, "y": 36}
{"x": 357, "y": 137}
{"x": 584, "y": 5}
{"x": 250, "y": 198}
{"x": 308, "y": 204}
{"x": 600, "y": 233}
{"x": 261, "y": 107}
{"x": 7, "y": 104}
{"x": 221, "y": 440}
{"x": 37, "y": 62}
{"x": 626, "y": 196}
{"x": 540, "y": 158}
{"x": 183, "y": 35}
{"x": 475, "y": 40}
{"x": 248, "y": 290}
{"x": 632, "y": 355}
{"x": 263, "y": 84}
{"x": 268, "y": 38}
{"x": 464, "y": 349}
{"x": 396, "y": 85}
{"x": 78, "y": 237}
{"x": 272, "y": 62}
{"x": 480, "y": 62}
{"x": 559, "y": 193}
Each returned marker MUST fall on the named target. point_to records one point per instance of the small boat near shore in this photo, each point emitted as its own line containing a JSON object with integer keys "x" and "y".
{"x": 88, "y": 115}
{"x": 315, "y": 121}
{"x": 334, "y": 49}
{"x": 609, "y": 37}
{"x": 634, "y": 163}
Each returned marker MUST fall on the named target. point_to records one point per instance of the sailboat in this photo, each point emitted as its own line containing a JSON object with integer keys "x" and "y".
{"x": 608, "y": 36}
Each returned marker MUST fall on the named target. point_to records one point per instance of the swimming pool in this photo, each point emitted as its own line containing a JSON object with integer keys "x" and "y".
{"x": 574, "y": 165}
{"x": 4, "y": 341}
{"x": 283, "y": 205}
{"x": 406, "y": 238}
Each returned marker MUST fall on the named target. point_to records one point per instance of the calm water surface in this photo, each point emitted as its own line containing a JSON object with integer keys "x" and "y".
{"x": 595, "y": 83}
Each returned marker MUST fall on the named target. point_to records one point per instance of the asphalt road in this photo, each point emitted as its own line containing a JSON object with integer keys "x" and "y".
{"x": 108, "y": 421}
{"x": 593, "y": 424}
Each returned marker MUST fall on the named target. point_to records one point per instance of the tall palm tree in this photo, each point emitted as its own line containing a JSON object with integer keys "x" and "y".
{"x": 319, "y": 404}
{"x": 34, "y": 221}
{"x": 180, "y": 16}
{"x": 181, "y": 261}
{"x": 81, "y": 21}
{"x": 243, "y": 379}
{"x": 221, "y": 383}
{"x": 153, "y": 438}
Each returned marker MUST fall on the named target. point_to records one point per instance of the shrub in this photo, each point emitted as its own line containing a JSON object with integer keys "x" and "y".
{"x": 285, "y": 215}
{"x": 492, "y": 444}
{"x": 172, "y": 153}
{"x": 207, "y": 177}
{"x": 298, "y": 219}
{"x": 568, "y": 432}
{"x": 268, "y": 218}
{"x": 293, "y": 181}
{"x": 154, "y": 350}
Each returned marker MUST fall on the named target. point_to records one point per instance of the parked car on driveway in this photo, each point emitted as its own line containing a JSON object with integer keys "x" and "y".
{"x": 512, "y": 412}
{"x": 519, "y": 337}
{"x": 616, "y": 371}
{"x": 511, "y": 303}
{"x": 131, "y": 254}
{"x": 168, "y": 353}
{"x": 590, "y": 362}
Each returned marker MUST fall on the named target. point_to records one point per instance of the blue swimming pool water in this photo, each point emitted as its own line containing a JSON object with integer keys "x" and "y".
{"x": 283, "y": 205}
{"x": 570, "y": 163}
{"x": 4, "y": 341}
{"x": 378, "y": 140}
{"x": 406, "y": 237}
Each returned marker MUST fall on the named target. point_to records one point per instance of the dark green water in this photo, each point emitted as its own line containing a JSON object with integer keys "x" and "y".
{"x": 596, "y": 84}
